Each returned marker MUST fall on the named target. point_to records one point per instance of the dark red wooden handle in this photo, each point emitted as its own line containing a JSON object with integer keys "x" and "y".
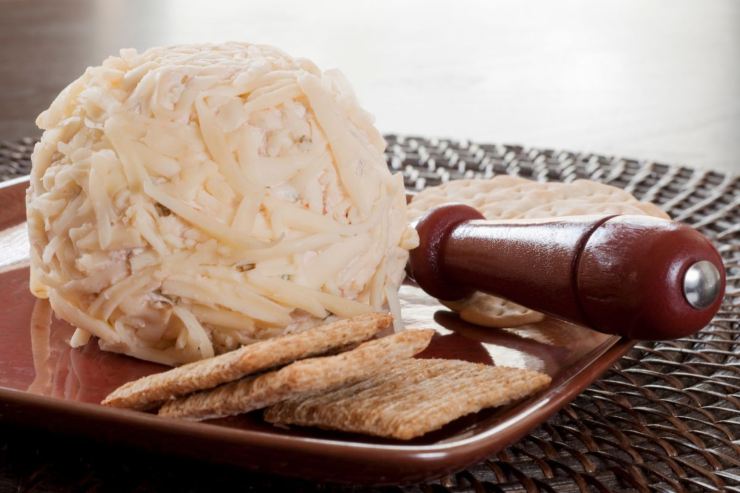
{"x": 625, "y": 275}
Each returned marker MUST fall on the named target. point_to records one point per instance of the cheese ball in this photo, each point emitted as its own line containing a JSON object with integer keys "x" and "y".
{"x": 188, "y": 200}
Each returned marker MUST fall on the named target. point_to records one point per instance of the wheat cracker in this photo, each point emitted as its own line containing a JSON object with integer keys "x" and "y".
{"x": 152, "y": 390}
{"x": 411, "y": 398}
{"x": 299, "y": 379}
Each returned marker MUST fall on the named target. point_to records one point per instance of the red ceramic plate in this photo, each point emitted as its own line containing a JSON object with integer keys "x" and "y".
{"x": 45, "y": 383}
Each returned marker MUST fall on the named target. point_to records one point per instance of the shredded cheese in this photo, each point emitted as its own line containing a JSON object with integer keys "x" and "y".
{"x": 190, "y": 199}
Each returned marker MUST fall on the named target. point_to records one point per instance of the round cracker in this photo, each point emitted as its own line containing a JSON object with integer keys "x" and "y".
{"x": 491, "y": 311}
{"x": 510, "y": 197}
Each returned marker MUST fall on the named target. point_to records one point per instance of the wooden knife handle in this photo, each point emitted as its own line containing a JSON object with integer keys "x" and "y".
{"x": 635, "y": 276}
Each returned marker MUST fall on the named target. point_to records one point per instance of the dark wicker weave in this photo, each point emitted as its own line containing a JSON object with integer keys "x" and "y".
{"x": 665, "y": 418}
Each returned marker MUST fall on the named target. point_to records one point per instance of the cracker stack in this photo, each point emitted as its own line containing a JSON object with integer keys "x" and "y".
{"x": 376, "y": 387}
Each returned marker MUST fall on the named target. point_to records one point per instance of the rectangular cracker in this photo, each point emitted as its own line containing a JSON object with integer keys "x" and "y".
{"x": 299, "y": 379}
{"x": 411, "y": 398}
{"x": 150, "y": 391}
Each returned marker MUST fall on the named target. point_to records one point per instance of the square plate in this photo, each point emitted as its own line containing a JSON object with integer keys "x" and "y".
{"x": 43, "y": 382}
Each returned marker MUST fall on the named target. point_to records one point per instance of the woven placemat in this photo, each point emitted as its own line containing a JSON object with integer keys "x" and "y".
{"x": 665, "y": 418}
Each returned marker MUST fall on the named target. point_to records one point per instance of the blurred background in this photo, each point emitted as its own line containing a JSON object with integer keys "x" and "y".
{"x": 651, "y": 79}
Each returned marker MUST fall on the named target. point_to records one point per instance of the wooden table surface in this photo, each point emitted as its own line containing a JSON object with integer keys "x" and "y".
{"x": 651, "y": 79}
